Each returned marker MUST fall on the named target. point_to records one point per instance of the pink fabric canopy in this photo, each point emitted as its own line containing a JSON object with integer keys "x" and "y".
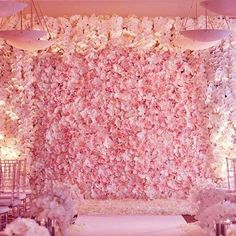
{"x": 8, "y": 8}
{"x": 222, "y": 7}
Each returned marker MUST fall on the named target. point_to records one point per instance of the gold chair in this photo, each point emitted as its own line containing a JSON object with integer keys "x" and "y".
{"x": 9, "y": 189}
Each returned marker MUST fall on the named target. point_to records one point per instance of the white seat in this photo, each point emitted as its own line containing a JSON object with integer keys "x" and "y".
{"x": 26, "y": 191}
{"x": 3, "y": 217}
{"x": 20, "y": 196}
{"x": 10, "y": 202}
{"x": 4, "y": 210}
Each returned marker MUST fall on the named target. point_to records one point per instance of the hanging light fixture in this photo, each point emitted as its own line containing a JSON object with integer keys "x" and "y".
{"x": 187, "y": 43}
{"x": 22, "y": 34}
{"x": 29, "y": 39}
{"x": 9, "y": 8}
{"x": 205, "y": 35}
{"x": 222, "y": 7}
{"x": 199, "y": 39}
{"x": 30, "y": 45}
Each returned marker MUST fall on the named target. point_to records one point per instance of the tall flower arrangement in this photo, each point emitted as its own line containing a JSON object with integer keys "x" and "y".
{"x": 214, "y": 206}
{"x": 217, "y": 213}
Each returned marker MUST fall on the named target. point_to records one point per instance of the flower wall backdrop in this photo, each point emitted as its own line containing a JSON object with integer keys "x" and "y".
{"x": 114, "y": 107}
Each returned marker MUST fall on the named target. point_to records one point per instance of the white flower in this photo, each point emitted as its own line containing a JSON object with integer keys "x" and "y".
{"x": 207, "y": 196}
{"x": 217, "y": 213}
{"x": 25, "y": 227}
{"x": 58, "y": 202}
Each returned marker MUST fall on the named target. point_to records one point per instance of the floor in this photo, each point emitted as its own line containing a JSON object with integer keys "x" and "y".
{"x": 141, "y": 225}
{"x": 136, "y": 207}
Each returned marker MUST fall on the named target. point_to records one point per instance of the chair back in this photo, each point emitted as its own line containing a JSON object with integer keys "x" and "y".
{"x": 23, "y": 175}
{"x": 231, "y": 173}
{"x": 10, "y": 177}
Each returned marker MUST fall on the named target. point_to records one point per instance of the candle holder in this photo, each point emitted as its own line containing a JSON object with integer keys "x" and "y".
{"x": 50, "y": 226}
{"x": 226, "y": 228}
{"x": 220, "y": 229}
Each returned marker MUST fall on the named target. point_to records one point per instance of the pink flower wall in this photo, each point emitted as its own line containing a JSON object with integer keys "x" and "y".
{"x": 114, "y": 108}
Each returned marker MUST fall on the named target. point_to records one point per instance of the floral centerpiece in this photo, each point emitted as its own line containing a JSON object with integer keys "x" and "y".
{"x": 203, "y": 198}
{"x": 58, "y": 203}
{"x": 214, "y": 206}
{"x": 25, "y": 227}
{"x": 231, "y": 230}
{"x": 216, "y": 213}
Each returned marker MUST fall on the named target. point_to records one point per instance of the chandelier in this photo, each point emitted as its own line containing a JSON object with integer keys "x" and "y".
{"x": 199, "y": 39}
{"x": 28, "y": 39}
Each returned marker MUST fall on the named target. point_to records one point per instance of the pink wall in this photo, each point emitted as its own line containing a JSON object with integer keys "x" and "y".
{"x": 115, "y": 108}
{"x": 122, "y": 124}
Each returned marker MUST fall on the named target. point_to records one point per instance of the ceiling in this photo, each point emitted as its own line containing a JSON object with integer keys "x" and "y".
{"x": 150, "y": 8}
